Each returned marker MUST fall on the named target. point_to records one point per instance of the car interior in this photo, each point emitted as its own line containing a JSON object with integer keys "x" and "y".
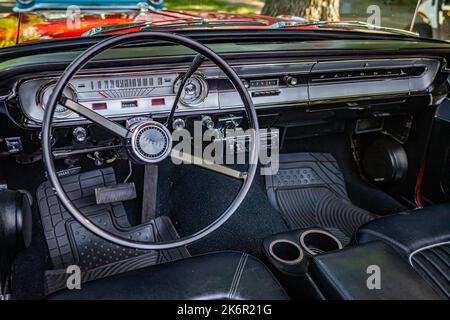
{"x": 361, "y": 125}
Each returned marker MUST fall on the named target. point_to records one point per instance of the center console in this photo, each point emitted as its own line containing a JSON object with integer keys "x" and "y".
{"x": 373, "y": 271}
{"x": 312, "y": 264}
{"x": 290, "y": 253}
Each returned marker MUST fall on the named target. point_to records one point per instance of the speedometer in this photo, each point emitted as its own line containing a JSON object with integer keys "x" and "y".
{"x": 44, "y": 94}
{"x": 195, "y": 90}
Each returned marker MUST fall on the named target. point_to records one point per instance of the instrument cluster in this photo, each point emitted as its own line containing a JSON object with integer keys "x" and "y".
{"x": 117, "y": 95}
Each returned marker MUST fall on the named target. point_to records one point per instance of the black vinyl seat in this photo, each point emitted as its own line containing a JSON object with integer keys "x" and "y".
{"x": 344, "y": 275}
{"x": 422, "y": 237}
{"x": 222, "y": 275}
{"x": 409, "y": 231}
{"x": 410, "y": 250}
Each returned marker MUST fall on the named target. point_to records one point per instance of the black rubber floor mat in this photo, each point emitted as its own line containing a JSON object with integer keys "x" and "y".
{"x": 309, "y": 191}
{"x": 71, "y": 244}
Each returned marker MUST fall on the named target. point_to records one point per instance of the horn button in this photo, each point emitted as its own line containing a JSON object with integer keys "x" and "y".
{"x": 151, "y": 142}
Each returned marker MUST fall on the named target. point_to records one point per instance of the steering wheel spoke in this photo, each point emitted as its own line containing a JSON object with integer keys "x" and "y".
{"x": 102, "y": 121}
{"x": 227, "y": 171}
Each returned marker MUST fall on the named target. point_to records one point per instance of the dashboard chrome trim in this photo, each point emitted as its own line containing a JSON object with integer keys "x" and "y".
{"x": 305, "y": 93}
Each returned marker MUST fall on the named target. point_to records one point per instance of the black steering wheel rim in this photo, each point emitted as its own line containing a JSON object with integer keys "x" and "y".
{"x": 81, "y": 61}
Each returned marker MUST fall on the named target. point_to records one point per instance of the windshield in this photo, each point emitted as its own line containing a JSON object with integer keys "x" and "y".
{"x": 32, "y": 20}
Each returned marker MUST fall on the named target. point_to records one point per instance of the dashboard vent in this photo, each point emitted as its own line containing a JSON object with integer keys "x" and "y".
{"x": 367, "y": 74}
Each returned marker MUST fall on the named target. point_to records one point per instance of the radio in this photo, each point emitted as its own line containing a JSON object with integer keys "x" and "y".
{"x": 270, "y": 86}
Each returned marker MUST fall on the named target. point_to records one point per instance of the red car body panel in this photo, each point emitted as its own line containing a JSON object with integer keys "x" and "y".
{"x": 16, "y": 28}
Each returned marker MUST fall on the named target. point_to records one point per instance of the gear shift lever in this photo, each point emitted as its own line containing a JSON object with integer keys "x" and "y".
{"x": 15, "y": 234}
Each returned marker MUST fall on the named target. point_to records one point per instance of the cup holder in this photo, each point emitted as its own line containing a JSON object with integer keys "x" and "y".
{"x": 286, "y": 251}
{"x": 318, "y": 241}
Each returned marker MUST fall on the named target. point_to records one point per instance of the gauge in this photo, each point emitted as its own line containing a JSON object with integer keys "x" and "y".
{"x": 46, "y": 91}
{"x": 195, "y": 90}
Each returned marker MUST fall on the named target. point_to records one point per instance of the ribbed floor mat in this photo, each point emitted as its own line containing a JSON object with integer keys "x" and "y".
{"x": 309, "y": 191}
{"x": 71, "y": 244}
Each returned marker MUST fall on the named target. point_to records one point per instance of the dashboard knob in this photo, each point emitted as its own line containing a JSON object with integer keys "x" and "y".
{"x": 208, "y": 122}
{"x": 79, "y": 134}
{"x": 246, "y": 84}
{"x": 290, "y": 80}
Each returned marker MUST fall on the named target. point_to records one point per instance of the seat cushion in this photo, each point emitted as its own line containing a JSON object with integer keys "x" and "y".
{"x": 224, "y": 275}
{"x": 409, "y": 231}
{"x": 345, "y": 275}
{"x": 434, "y": 264}
{"x": 421, "y": 236}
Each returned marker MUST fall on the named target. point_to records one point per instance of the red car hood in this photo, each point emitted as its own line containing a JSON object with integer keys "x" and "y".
{"x": 18, "y": 28}
{"x": 32, "y": 26}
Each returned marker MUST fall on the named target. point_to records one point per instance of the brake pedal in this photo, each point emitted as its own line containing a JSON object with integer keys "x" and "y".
{"x": 115, "y": 193}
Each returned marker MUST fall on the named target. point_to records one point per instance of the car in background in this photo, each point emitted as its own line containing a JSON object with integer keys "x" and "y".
{"x": 30, "y": 5}
{"x": 431, "y": 21}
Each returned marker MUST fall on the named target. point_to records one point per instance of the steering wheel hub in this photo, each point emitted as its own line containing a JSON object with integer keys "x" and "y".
{"x": 151, "y": 142}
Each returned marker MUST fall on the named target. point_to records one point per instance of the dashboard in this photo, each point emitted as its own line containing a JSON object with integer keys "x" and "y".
{"x": 123, "y": 93}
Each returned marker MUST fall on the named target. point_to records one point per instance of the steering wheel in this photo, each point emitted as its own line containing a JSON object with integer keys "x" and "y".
{"x": 134, "y": 136}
